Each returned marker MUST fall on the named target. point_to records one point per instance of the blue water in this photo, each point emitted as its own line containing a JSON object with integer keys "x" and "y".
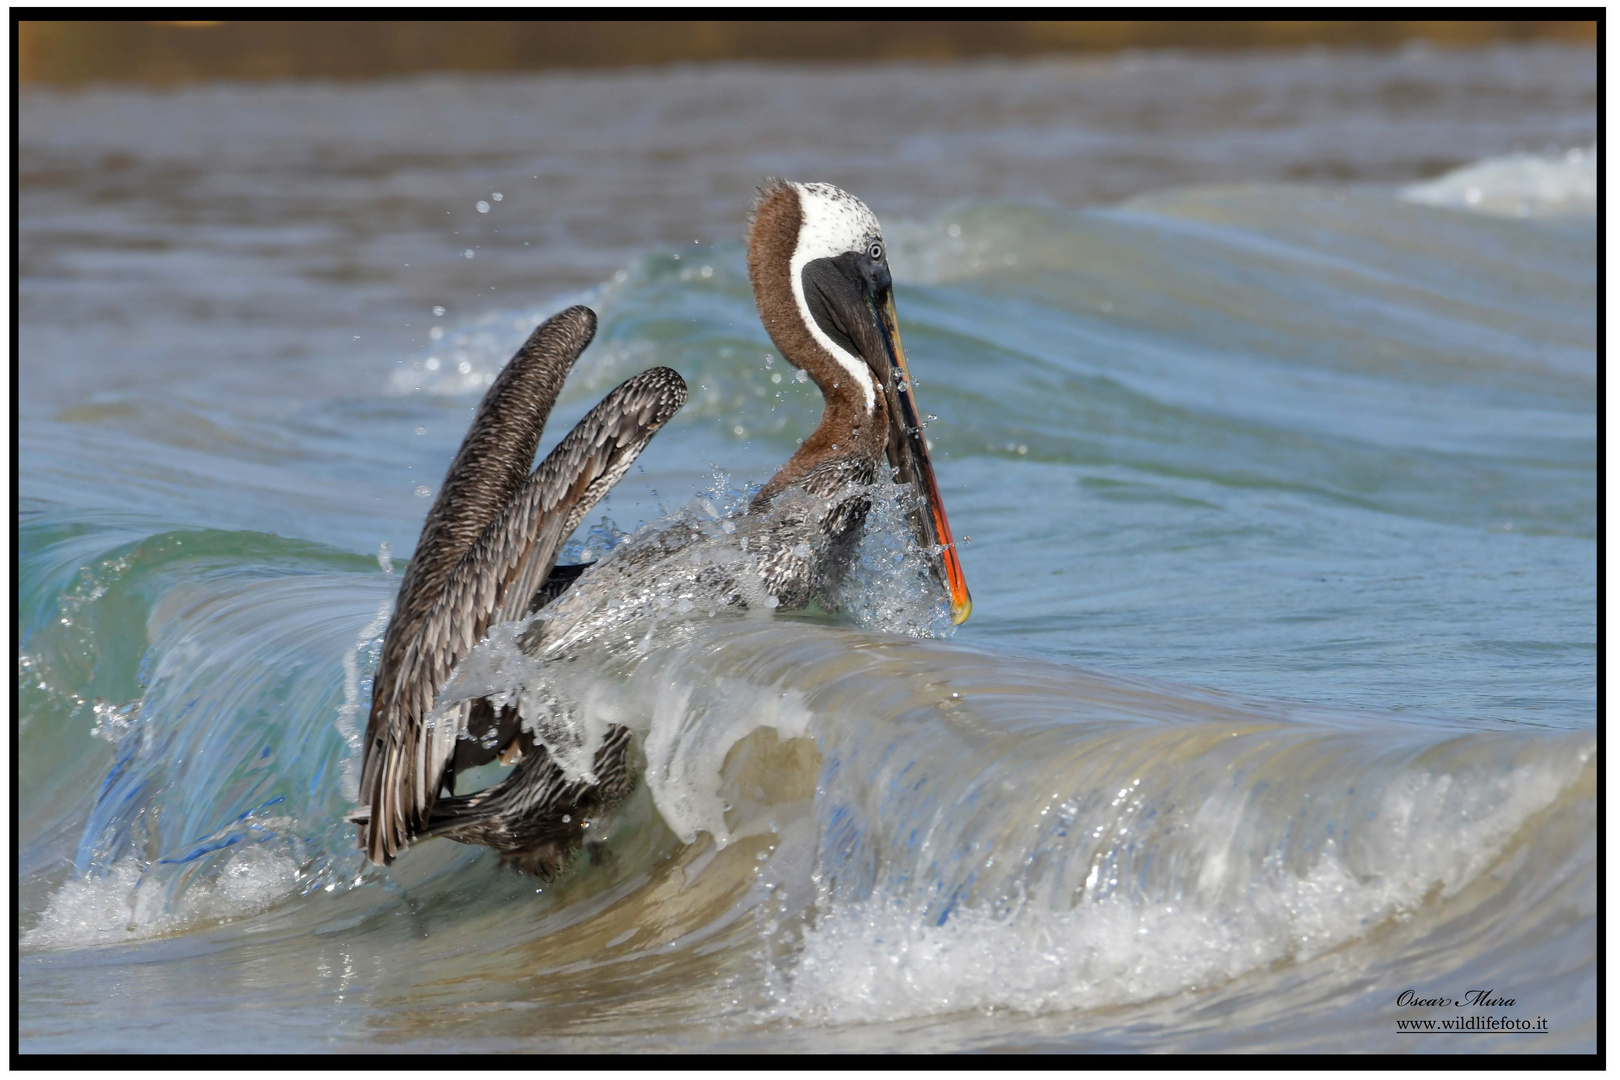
{"x": 1272, "y": 451}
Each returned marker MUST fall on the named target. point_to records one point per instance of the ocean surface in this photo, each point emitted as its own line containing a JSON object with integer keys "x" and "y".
{"x": 1265, "y": 398}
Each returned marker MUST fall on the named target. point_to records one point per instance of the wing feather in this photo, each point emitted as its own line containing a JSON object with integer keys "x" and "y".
{"x": 493, "y": 581}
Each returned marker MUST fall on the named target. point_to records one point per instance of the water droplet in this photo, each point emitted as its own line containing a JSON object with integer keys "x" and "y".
{"x": 432, "y": 363}
{"x": 776, "y": 376}
{"x": 438, "y": 310}
{"x": 954, "y": 230}
{"x": 483, "y": 207}
{"x": 423, "y": 491}
{"x": 420, "y": 430}
{"x": 567, "y": 818}
{"x": 801, "y": 376}
{"x": 464, "y": 367}
{"x": 496, "y": 196}
{"x": 468, "y": 253}
{"x": 737, "y": 429}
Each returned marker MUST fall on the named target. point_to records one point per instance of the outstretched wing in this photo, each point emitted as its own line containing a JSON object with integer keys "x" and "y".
{"x": 495, "y": 458}
{"x": 492, "y": 582}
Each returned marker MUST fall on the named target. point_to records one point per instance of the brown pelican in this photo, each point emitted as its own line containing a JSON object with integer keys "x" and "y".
{"x": 488, "y": 550}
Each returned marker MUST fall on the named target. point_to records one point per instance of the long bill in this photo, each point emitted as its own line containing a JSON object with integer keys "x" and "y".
{"x": 908, "y": 453}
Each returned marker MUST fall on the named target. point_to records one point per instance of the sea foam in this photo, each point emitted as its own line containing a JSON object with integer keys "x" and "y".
{"x": 1517, "y": 185}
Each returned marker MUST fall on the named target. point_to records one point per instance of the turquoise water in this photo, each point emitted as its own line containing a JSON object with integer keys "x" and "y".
{"x": 1265, "y": 390}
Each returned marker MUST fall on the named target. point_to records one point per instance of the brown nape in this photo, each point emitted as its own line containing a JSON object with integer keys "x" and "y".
{"x": 773, "y": 234}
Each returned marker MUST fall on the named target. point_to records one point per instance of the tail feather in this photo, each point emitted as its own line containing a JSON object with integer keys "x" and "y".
{"x": 536, "y": 818}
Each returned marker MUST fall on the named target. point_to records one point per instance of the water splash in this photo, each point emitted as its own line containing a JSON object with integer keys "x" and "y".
{"x": 120, "y": 905}
{"x": 653, "y": 589}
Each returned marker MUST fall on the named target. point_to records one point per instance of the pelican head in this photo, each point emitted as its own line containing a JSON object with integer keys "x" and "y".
{"x": 820, "y": 272}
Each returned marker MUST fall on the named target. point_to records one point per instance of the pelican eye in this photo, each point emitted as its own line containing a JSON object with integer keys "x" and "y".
{"x": 875, "y": 252}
